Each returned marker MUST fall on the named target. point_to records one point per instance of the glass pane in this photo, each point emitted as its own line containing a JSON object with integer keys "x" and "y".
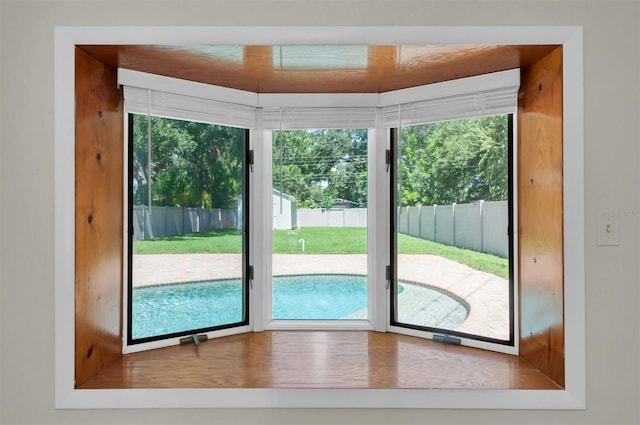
{"x": 319, "y": 224}
{"x": 187, "y": 187}
{"x": 451, "y": 228}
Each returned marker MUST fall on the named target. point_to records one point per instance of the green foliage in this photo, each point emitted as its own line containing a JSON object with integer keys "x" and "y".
{"x": 201, "y": 165}
{"x": 192, "y": 164}
{"x": 454, "y": 161}
{"x": 318, "y": 240}
{"x": 319, "y": 166}
{"x": 441, "y": 163}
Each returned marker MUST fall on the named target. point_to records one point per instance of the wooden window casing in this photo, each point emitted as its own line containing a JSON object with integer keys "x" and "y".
{"x": 99, "y": 218}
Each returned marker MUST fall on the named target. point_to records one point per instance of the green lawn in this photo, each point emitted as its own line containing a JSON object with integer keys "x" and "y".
{"x": 477, "y": 260}
{"x": 318, "y": 240}
{"x": 321, "y": 240}
{"x": 214, "y": 241}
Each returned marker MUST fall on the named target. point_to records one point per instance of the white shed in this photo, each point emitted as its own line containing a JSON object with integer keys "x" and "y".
{"x": 285, "y": 212}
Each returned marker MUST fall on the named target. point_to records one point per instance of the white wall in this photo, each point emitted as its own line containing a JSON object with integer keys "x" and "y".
{"x": 612, "y": 134}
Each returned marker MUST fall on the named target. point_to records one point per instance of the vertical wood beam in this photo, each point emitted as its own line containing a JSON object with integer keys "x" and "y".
{"x": 99, "y": 217}
{"x": 540, "y": 210}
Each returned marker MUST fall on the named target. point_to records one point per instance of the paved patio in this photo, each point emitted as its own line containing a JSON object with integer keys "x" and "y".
{"x": 487, "y": 295}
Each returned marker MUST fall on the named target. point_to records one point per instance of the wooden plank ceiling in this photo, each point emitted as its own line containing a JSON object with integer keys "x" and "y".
{"x": 318, "y": 69}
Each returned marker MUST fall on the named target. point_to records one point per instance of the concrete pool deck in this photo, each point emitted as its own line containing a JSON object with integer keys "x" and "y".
{"x": 486, "y": 294}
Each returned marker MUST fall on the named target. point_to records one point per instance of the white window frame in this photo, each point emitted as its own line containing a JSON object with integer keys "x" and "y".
{"x": 290, "y": 111}
{"x": 173, "y": 98}
{"x": 163, "y": 342}
{"x": 470, "y": 341}
{"x": 488, "y": 94}
{"x": 572, "y": 397}
{"x": 266, "y": 274}
{"x": 464, "y": 98}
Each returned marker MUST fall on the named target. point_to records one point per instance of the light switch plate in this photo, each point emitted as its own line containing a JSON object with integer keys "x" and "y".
{"x": 608, "y": 232}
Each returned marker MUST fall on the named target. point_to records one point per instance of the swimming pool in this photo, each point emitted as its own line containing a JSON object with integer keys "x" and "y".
{"x": 166, "y": 309}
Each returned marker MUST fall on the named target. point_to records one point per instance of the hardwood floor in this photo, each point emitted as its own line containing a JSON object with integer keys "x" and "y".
{"x": 318, "y": 359}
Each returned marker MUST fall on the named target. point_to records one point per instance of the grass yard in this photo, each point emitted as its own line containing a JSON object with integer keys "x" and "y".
{"x": 318, "y": 240}
{"x": 321, "y": 240}
{"x": 214, "y": 241}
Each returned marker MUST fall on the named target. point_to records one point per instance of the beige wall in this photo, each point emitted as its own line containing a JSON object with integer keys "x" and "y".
{"x": 612, "y": 135}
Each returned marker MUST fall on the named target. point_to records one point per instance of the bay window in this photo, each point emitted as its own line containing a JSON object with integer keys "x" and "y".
{"x": 191, "y": 162}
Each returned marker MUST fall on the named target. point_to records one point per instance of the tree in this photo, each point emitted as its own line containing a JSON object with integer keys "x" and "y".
{"x": 320, "y": 165}
{"x": 454, "y": 161}
{"x": 201, "y": 165}
{"x": 192, "y": 164}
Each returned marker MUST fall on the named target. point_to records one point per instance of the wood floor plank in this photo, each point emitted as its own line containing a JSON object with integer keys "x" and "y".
{"x": 319, "y": 359}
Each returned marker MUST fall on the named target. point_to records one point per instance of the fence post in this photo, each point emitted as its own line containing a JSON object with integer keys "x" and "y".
{"x": 149, "y": 230}
{"x": 435, "y": 226}
{"x": 166, "y": 221}
{"x": 453, "y": 216}
{"x": 407, "y": 221}
{"x": 481, "y": 204}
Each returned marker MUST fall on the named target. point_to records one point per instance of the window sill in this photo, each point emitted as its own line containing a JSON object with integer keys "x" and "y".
{"x": 300, "y": 369}
{"x": 321, "y": 359}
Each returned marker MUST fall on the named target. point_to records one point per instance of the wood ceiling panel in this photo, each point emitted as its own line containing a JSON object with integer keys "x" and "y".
{"x": 318, "y": 69}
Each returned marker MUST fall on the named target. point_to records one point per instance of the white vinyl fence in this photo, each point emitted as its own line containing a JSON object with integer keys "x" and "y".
{"x": 172, "y": 221}
{"x": 480, "y": 226}
{"x": 323, "y": 217}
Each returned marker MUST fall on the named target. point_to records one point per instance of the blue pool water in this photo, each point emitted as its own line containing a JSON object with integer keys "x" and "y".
{"x": 164, "y": 309}
{"x": 318, "y": 297}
